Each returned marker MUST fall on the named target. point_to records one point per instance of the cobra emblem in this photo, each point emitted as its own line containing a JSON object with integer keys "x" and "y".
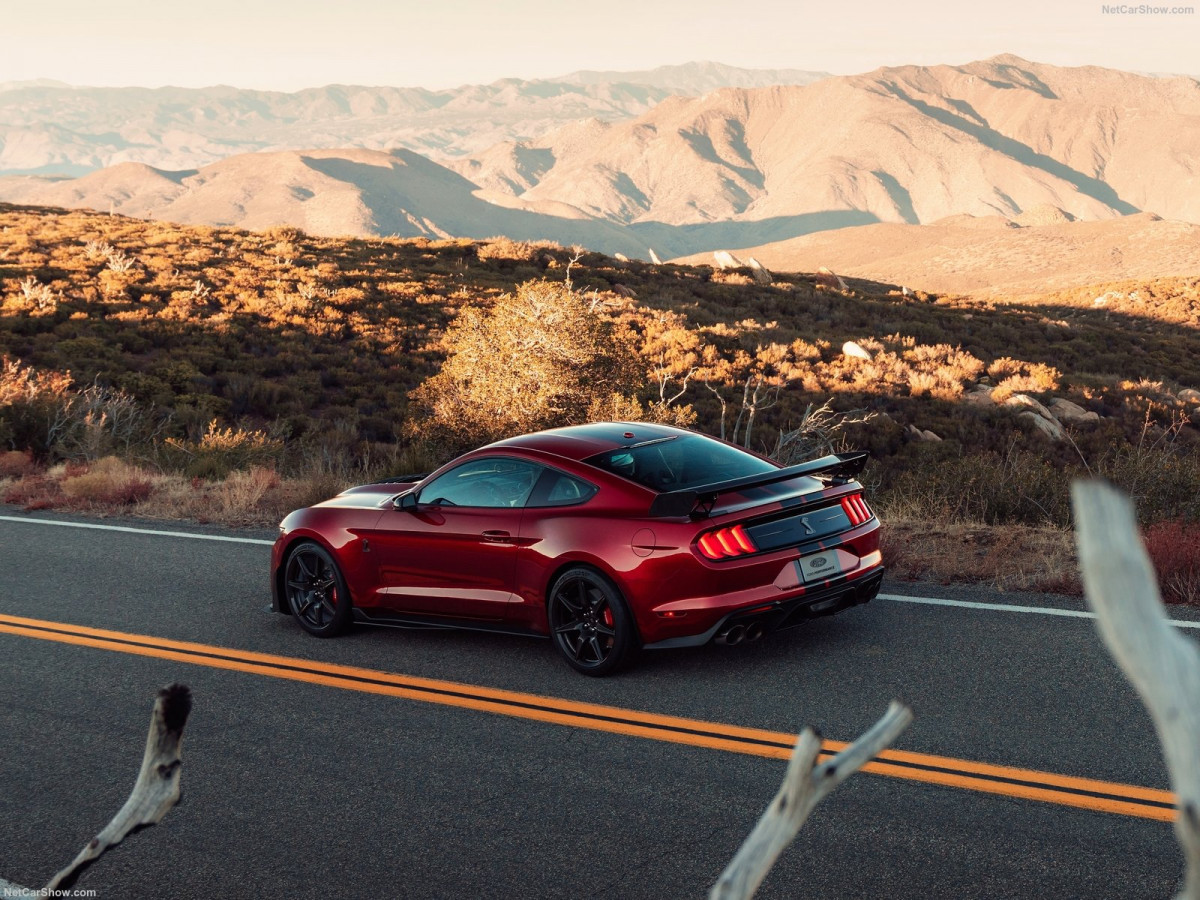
{"x": 808, "y": 529}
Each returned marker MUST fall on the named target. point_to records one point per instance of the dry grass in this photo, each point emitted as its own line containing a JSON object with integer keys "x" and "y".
{"x": 106, "y": 483}
{"x": 1174, "y": 548}
{"x": 112, "y": 487}
{"x": 1009, "y": 557}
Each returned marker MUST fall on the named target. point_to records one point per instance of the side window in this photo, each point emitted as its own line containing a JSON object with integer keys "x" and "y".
{"x": 560, "y": 489}
{"x": 491, "y": 482}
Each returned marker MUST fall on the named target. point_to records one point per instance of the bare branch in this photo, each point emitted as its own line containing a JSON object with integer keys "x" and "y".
{"x": 156, "y": 789}
{"x": 804, "y": 786}
{"x": 1162, "y": 665}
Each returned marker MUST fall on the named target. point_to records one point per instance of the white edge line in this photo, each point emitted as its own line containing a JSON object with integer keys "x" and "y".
{"x": 901, "y": 598}
{"x": 179, "y": 534}
{"x": 1006, "y": 607}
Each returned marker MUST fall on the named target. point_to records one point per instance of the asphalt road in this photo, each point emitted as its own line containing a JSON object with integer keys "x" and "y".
{"x": 303, "y": 790}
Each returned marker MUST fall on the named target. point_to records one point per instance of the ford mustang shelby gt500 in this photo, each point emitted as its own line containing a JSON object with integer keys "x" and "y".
{"x": 607, "y": 538}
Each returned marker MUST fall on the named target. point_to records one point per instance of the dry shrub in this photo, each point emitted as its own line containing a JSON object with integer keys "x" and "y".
{"x": 1174, "y": 548}
{"x": 506, "y": 248}
{"x": 16, "y": 464}
{"x": 33, "y": 492}
{"x": 241, "y": 494}
{"x": 31, "y": 401}
{"x": 221, "y": 451}
{"x": 731, "y": 277}
{"x": 108, "y": 482}
{"x": 1016, "y": 377}
{"x": 534, "y": 359}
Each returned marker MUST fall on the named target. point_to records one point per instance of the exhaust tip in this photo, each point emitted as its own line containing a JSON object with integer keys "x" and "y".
{"x": 754, "y": 631}
{"x": 734, "y": 635}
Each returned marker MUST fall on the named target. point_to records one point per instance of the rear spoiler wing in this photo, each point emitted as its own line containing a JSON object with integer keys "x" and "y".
{"x": 836, "y": 468}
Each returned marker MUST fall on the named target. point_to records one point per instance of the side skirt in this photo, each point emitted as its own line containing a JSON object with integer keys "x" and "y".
{"x": 426, "y": 623}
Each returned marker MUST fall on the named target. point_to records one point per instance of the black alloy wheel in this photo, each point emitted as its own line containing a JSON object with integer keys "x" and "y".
{"x": 589, "y": 622}
{"x": 316, "y": 592}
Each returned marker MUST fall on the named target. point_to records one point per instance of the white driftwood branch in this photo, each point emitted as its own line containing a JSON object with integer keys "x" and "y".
{"x": 157, "y": 786}
{"x": 803, "y": 788}
{"x": 1163, "y": 665}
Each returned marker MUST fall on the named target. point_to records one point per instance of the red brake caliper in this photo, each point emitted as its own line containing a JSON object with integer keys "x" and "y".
{"x": 608, "y": 619}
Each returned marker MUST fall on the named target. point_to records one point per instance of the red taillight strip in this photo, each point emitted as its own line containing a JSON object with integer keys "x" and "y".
{"x": 743, "y": 539}
{"x": 726, "y": 542}
{"x": 710, "y": 547}
{"x": 866, "y": 509}
{"x": 856, "y": 509}
{"x": 725, "y": 539}
{"x": 851, "y": 512}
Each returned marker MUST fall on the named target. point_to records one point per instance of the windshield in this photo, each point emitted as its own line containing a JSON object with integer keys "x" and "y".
{"x": 680, "y": 463}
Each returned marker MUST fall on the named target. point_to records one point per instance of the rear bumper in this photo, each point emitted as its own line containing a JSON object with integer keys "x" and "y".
{"x": 789, "y": 612}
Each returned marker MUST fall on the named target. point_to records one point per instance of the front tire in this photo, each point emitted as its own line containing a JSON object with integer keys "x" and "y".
{"x": 316, "y": 591}
{"x": 590, "y": 624}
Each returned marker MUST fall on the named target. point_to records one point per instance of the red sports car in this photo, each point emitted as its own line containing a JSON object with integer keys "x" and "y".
{"x": 607, "y": 538}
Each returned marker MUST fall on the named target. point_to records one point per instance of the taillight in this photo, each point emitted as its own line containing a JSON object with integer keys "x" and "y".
{"x": 856, "y": 509}
{"x": 726, "y": 542}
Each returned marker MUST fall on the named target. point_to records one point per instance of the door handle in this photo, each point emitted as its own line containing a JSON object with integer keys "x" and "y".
{"x": 497, "y": 537}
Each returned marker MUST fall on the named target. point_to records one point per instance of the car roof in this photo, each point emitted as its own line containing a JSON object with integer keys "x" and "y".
{"x": 578, "y": 442}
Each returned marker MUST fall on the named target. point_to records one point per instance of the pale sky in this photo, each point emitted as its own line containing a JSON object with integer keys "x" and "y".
{"x": 278, "y": 45}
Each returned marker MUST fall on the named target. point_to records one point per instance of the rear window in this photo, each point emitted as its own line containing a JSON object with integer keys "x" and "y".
{"x": 680, "y": 463}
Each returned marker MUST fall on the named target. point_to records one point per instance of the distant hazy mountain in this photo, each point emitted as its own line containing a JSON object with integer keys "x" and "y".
{"x": 694, "y": 78}
{"x": 909, "y": 144}
{"x": 52, "y": 128}
{"x": 734, "y": 168}
{"x": 324, "y": 192}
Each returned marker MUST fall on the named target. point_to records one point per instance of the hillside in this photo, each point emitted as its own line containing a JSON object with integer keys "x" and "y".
{"x": 52, "y": 128}
{"x": 318, "y": 342}
{"x": 993, "y": 256}
{"x": 323, "y": 192}
{"x": 907, "y": 145}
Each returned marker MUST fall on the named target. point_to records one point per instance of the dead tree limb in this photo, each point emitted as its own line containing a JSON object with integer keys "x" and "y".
{"x": 156, "y": 789}
{"x": 1162, "y": 665}
{"x": 804, "y": 786}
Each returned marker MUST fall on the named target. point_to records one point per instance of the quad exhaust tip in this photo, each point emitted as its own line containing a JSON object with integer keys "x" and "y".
{"x": 736, "y": 634}
{"x": 732, "y": 636}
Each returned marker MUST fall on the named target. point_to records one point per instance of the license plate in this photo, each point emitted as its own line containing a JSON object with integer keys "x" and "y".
{"x": 819, "y": 566}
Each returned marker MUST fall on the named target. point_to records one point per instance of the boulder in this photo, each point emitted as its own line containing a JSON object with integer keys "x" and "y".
{"x": 1189, "y": 395}
{"x": 726, "y": 260}
{"x": 622, "y": 291}
{"x": 759, "y": 271}
{"x": 918, "y": 434}
{"x": 1024, "y": 401}
{"x": 831, "y": 278}
{"x": 855, "y": 351}
{"x": 1072, "y": 413}
{"x": 1047, "y": 426}
{"x": 980, "y": 396}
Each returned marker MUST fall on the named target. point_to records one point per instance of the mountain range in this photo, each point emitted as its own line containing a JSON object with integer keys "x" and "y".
{"x": 1002, "y": 140}
{"x": 47, "y": 127}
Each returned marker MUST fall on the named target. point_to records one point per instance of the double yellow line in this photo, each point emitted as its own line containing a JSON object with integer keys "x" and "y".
{"x": 1026, "y": 784}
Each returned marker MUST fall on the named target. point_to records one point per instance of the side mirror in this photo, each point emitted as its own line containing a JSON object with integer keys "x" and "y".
{"x": 407, "y": 501}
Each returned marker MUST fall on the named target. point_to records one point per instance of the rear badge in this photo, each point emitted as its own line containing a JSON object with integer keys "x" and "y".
{"x": 819, "y": 566}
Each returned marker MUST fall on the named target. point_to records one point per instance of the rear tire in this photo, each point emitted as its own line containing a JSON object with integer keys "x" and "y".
{"x": 590, "y": 624}
{"x": 316, "y": 591}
